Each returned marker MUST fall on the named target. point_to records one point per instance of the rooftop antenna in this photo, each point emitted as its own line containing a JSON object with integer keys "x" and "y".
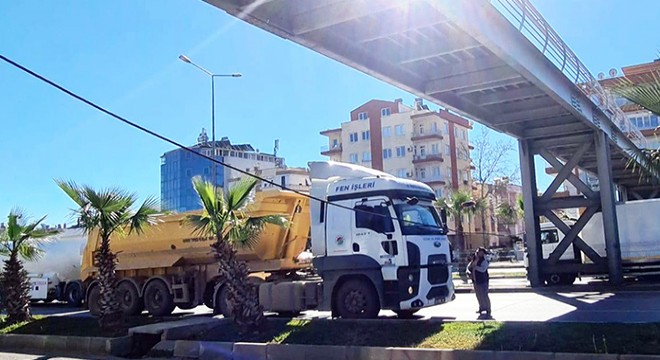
{"x": 203, "y": 139}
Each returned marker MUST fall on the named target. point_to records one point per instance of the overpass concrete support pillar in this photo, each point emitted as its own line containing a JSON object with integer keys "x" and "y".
{"x": 608, "y": 206}
{"x": 532, "y": 229}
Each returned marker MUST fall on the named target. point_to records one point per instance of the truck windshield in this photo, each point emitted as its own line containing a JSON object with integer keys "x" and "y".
{"x": 418, "y": 219}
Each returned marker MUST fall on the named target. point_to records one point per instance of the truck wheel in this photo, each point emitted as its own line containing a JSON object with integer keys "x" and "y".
{"x": 157, "y": 299}
{"x": 560, "y": 279}
{"x": 74, "y": 295}
{"x": 406, "y": 314}
{"x": 357, "y": 299}
{"x": 93, "y": 301}
{"x": 129, "y": 299}
{"x": 222, "y": 303}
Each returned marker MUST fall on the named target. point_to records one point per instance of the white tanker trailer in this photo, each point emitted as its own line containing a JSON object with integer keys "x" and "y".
{"x": 55, "y": 275}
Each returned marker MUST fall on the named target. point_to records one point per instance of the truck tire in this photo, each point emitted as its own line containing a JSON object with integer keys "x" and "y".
{"x": 357, "y": 299}
{"x": 74, "y": 294}
{"x": 93, "y": 301}
{"x": 221, "y": 303}
{"x": 129, "y": 299}
{"x": 560, "y": 279}
{"x": 157, "y": 299}
{"x": 406, "y": 314}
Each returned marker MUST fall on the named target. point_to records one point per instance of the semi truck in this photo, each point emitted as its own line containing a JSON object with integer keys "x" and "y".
{"x": 55, "y": 275}
{"x": 639, "y": 239}
{"x": 377, "y": 242}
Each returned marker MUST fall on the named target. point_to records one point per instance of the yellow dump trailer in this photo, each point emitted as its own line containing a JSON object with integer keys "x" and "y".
{"x": 171, "y": 265}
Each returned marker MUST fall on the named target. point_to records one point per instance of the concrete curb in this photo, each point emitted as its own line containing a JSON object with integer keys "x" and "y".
{"x": 66, "y": 344}
{"x": 257, "y": 351}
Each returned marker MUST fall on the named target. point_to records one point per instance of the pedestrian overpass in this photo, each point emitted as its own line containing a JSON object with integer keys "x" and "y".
{"x": 499, "y": 63}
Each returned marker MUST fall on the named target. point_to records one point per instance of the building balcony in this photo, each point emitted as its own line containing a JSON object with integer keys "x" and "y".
{"x": 327, "y": 151}
{"x": 416, "y": 136}
{"x": 434, "y": 180}
{"x": 418, "y": 159}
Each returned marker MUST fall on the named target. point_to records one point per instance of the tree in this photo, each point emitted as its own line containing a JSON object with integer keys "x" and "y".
{"x": 110, "y": 212}
{"x": 458, "y": 204}
{"x": 491, "y": 159}
{"x": 224, "y": 217}
{"x": 20, "y": 239}
{"x": 506, "y": 214}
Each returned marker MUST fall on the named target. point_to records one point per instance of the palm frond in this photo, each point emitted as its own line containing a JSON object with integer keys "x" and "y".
{"x": 146, "y": 214}
{"x": 239, "y": 194}
{"x": 73, "y": 191}
{"x": 207, "y": 195}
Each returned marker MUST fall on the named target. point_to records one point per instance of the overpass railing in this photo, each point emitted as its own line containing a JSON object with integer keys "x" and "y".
{"x": 529, "y": 21}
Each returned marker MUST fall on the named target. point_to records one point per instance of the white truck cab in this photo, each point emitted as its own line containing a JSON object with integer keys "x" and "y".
{"x": 378, "y": 242}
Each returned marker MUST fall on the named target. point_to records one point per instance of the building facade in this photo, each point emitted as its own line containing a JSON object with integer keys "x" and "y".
{"x": 406, "y": 141}
{"x": 179, "y": 166}
{"x": 491, "y": 230}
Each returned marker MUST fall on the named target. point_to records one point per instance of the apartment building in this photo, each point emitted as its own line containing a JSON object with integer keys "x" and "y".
{"x": 406, "y": 141}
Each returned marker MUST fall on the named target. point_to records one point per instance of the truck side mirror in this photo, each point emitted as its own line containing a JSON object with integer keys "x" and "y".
{"x": 443, "y": 217}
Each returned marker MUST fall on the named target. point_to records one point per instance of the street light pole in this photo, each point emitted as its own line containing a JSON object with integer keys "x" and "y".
{"x": 185, "y": 59}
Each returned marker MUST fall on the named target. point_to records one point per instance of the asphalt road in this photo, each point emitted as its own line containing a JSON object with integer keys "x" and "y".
{"x": 627, "y": 307}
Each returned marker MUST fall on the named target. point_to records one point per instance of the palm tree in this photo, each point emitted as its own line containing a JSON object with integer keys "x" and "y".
{"x": 109, "y": 211}
{"x": 224, "y": 216}
{"x": 20, "y": 239}
{"x": 458, "y": 204}
{"x": 506, "y": 213}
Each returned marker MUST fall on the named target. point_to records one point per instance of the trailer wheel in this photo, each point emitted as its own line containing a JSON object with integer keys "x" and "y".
{"x": 406, "y": 314}
{"x": 129, "y": 299}
{"x": 222, "y": 303}
{"x": 74, "y": 294}
{"x": 560, "y": 279}
{"x": 357, "y": 299}
{"x": 157, "y": 299}
{"x": 93, "y": 301}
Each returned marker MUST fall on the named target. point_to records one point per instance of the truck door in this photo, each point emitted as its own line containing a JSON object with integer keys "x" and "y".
{"x": 375, "y": 235}
{"x": 338, "y": 228}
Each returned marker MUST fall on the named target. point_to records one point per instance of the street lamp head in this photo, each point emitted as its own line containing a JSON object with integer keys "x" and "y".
{"x": 236, "y": 75}
{"x": 185, "y": 59}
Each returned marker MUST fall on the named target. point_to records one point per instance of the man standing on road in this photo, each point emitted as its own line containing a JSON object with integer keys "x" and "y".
{"x": 479, "y": 269}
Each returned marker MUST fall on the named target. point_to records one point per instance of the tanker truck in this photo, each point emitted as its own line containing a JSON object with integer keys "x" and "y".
{"x": 55, "y": 274}
{"x": 377, "y": 243}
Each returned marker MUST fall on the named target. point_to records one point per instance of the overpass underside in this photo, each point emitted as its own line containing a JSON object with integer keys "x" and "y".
{"x": 468, "y": 57}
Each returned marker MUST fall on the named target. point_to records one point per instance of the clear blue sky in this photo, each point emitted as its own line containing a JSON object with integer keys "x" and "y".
{"x": 123, "y": 55}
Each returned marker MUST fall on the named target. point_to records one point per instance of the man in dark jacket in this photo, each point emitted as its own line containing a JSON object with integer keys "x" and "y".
{"x": 479, "y": 269}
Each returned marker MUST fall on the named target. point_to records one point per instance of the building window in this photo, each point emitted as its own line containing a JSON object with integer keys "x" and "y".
{"x": 466, "y": 176}
{"x": 188, "y": 172}
{"x": 434, "y": 127}
{"x": 353, "y": 158}
{"x": 353, "y": 137}
{"x": 435, "y": 149}
{"x": 436, "y": 171}
{"x": 422, "y": 150}
{"x": 398, "y": 130}
{"x": 421, "y": 173}
{"x": 421, "y": 129}
{"x": 401, "y": 173}
{"x": 400, "y": 151}
{"x": 366, "y": 135}
{"x": 366, "y": 156}
{"x": 446, "y": 128}
{"x": 385, "y": 111}
{"x": 362, "y": 115}
{"x": 335, "y": 143}
{"x": 387, "y": 153}
{"x": 447, "y": 150}
{"x": 387, "y": 131}
{"x": 438, "y": 193}
{"x": 463, "y": 134}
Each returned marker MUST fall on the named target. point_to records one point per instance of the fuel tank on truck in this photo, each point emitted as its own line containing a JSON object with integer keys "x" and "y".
{"x": 62, "y": 255}
{"x": 174, "y": 242}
